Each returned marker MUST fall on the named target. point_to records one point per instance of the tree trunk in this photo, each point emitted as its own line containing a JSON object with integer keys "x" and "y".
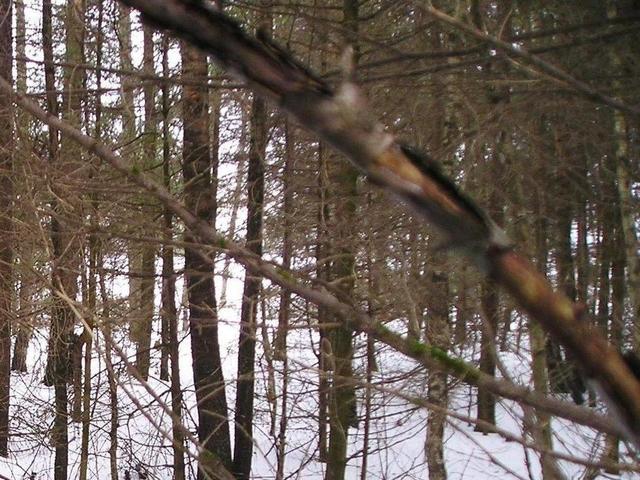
{"x": 143, "y": 319}
{"x": 6, "y": 223}
{"x": 111, "y": 375}
{"x": 616, "y": 327}
{"x": 168, "y": 310}
{"x": 342, "y": 400}
{"x": 622, "y": 168}
{"x": 490, "y": 312}
{"x": 24, "y": 321}
{"x": 200, "y": 198}
{"x": 437, "y": 333}
{"x": 280, "y": 343}
{"x": 537, "y": 344}
{"x": 243, "y": 446}
{"x": 64, "y": 238}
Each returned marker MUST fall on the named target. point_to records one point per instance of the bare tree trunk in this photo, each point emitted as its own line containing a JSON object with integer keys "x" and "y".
{"x": 25, "y": 329}
{"x": 243, "y": 446}
{"x": 168, "y": 310}
{"x": 113, "y": 385}
{"x": 200, "y": 197}
{"x": 342, "y": 401}
{"x": 87, "y": 337}
{"x": 486, "y": 400}
{"x": 322, "y": 254}
{"x": 537, "y": 344}
{"x": 65, "y": 241}
{"x": 148, "y": 249}
{"x": 322, "y": 273}
{"x": 616, "y": 328}
{"x": 23, "y": 323}
{"x": 280, "y": 343}
{"x": 437, "y": 333}
{"x": 624, "y": 189}
{"x": 6, "y": 223}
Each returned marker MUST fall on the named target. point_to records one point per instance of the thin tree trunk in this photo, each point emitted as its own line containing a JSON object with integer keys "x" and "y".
{"x": 200, "y": 197}
{"x": 616, "y": 328}
{"x": 490, "y": 311}
{"x": 342, "y": 401}
{"x": 168, "y": 311}
{"x": 537, "y": 344}
{"x": 322, "y": 273}
{"x": 87, "y": 337}
{"x": 25, "y": 328}
{"x": 322, "y": 254}
{"x": 243, "y": 446}
{"x": 113, "y": 384}
{"x": 437, "y": 333}
{"x": 6, "y": 223}
{"x": 65, "y": 241}
{"x": 148, "y": 249}
{"x": 280, "y": 343}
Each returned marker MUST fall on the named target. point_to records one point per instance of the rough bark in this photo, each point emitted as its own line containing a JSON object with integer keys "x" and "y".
{"x": 622, "y": 168}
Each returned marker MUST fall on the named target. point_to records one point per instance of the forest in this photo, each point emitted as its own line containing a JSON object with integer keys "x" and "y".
{"x": 324, "y": 239}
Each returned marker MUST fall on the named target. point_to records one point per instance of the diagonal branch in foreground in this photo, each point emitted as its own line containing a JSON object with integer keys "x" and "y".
{"x": 343, "y": 119}
{"x": 425, "y": 354}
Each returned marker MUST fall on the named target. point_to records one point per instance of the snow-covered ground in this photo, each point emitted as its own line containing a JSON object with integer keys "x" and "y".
{"x": 398, "y": 431}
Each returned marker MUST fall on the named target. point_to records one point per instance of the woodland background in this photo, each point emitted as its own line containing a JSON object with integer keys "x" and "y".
{"x": 130, "y": 349}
